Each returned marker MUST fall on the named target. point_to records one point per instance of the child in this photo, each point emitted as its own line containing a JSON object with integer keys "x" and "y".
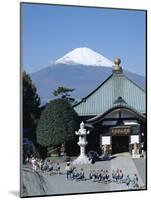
{"x": 68, "y": 170}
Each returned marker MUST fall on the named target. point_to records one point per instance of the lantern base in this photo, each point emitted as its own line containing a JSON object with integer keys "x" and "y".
{"x": 81, "y": 160}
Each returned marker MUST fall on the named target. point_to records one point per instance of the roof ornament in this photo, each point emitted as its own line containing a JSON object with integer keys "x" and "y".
{"x": 117, "y": 69}
{"x": 120, "y": 100}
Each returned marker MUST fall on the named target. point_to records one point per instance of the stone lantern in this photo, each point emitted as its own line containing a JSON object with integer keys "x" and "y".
{"x": 82, "y": 132}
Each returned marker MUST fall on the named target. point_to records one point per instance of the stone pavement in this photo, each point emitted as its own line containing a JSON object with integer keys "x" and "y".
{"x": 57, "y": 184}
{"x": 141, "y": 168}
{"x": 71, "y": 186}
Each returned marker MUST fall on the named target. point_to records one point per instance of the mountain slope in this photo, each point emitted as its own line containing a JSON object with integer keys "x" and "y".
{"x": 82, "y": 69}
{"x": 82, "y": 78}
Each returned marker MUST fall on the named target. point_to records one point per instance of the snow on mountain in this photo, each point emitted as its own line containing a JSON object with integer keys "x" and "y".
{"x": 85, "y": 56}
{"x": 87, "y": 70}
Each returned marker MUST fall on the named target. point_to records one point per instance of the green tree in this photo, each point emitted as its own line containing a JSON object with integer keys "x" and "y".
{"x": 57, "y": 123}
{"x": 31, "y": 103}
{"x": 63, "y": 92}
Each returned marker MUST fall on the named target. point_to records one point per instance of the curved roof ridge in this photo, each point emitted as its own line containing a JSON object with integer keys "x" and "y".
{"x": 117, "y": 105}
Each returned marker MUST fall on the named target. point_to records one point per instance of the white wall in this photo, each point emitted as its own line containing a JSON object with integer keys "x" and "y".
{"x": 106, "y": 140}
{"x": 134, "y": 139}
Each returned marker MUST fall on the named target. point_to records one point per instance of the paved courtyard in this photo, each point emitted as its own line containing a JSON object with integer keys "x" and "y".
{"x": 58, "y": 184}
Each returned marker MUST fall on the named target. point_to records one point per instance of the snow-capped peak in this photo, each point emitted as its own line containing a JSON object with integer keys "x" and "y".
{"x": 85, "y": 56}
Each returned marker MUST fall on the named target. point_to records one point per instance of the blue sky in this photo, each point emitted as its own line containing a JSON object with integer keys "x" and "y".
{"x": 49, "y": 32}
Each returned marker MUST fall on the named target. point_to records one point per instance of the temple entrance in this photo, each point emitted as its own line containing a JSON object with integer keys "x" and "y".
{"x": 120, "y": 144}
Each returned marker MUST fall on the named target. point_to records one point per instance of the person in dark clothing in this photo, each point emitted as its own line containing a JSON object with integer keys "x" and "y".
{"x": 81, "y": 175}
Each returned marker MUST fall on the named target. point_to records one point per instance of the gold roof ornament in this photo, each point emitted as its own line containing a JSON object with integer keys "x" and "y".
{"x": 117, "y": 69}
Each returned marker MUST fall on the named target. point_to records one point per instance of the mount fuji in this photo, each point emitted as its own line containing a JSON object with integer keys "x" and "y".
{"x": 82, "y": 69}
{"x": 84, "y": 56}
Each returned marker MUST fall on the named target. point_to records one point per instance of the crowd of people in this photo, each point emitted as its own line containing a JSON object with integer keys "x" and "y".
{"x": 117, "y": 176}
{"x": 103, "y": 175}
{"x": 46, "y": 166}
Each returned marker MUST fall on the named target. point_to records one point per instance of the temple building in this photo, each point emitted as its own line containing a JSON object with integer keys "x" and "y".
{"x": 115, "y": 113}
